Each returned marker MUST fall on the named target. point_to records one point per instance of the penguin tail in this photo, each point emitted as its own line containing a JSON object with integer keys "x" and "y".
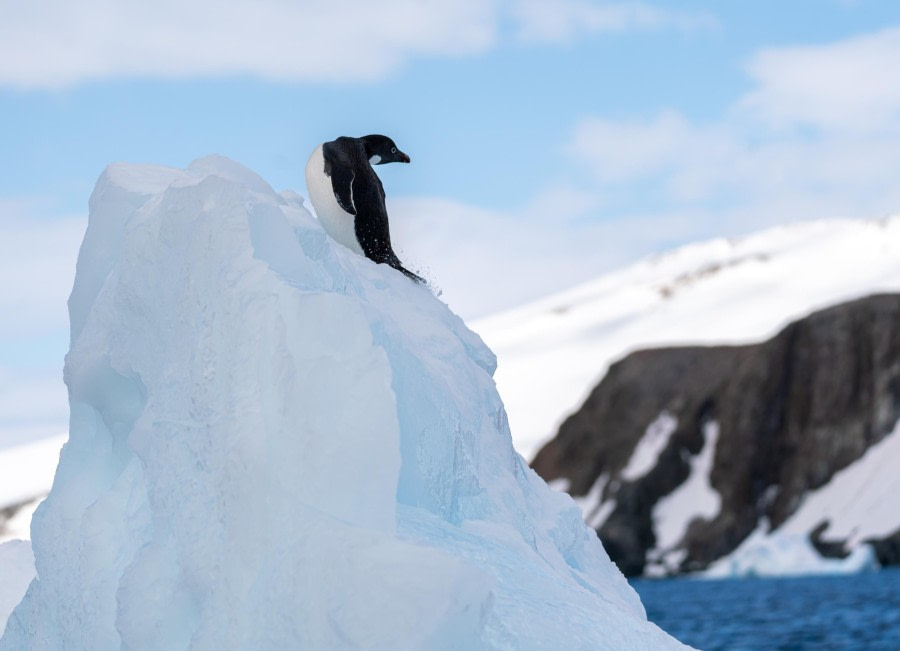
{"x": 394, "y": 262}
{"x": 409, "y": 274}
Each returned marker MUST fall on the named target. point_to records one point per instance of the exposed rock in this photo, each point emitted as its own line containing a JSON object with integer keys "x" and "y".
{"x": 888, "y": 549}
{"x": 791, "y": 412}
{"x": 827, "y": 548}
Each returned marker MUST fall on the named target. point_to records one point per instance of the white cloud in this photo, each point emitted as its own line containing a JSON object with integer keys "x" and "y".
{"x": 850, "y": 84}
{"x": 55, "y": 43}
{"x": 724, "y": 167}
{"x": 32, "y": 403}
{"x": 562, "y": 20}
{"x": 484, "y": 261}
{"x": 37, "y": 267}
{"x": 561, "y": 202}
{"x": 620, "y": 150}
{"x": 761, "y": 160}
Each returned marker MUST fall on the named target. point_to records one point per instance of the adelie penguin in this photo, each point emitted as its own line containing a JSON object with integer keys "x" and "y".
{"x": 349, "y": 198}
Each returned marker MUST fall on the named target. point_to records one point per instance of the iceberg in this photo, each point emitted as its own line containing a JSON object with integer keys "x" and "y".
{"x": 276, "y": 443}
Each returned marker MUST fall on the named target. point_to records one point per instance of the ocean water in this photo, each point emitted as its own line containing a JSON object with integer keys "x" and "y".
{"x": 854, "y": 613}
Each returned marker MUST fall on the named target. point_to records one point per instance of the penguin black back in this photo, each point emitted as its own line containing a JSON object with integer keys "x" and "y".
{"x": 347, "y": 162}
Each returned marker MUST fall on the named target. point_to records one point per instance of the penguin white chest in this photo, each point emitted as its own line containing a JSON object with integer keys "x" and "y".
{"x": 339, "y": 224}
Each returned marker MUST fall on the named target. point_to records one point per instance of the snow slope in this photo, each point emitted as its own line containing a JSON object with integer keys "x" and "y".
{"x": 860, "y": 502}
{"x": 553, "y": 352}
{"x": 276, "y": 443}
{"x": 27, "y": 472}
{"x": 27, "y": 469}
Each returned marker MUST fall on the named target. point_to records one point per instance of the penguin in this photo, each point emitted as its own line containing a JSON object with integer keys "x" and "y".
{"x": 349, "y": 198}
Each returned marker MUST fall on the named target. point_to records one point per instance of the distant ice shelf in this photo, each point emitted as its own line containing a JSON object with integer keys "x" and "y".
{"x": 770, "y": 554}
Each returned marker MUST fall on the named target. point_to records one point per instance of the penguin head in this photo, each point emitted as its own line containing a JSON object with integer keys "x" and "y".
{"x": 381, "y": 150}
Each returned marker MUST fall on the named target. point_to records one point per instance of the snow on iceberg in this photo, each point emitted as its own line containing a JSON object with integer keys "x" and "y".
{"x": 276, "y": 443}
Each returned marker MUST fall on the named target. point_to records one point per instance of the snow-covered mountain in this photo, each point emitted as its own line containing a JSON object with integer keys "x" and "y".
{"x": 277, "y": 444}
{"x": 553, "y": 352}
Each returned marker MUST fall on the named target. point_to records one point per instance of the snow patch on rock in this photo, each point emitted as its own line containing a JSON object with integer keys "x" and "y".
{"x": 695, "y": 498}
{"x": 646, "y": 453}
{"x": 860, "y": 501}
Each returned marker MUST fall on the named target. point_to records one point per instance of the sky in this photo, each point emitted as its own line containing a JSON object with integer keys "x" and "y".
{"x": 550, "y": 141}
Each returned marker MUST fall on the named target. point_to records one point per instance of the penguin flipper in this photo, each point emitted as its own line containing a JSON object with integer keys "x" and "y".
{"x": 342, "y": 178}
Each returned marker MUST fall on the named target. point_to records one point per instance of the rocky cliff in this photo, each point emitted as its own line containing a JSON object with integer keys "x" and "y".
{"x": 679, "y": 454}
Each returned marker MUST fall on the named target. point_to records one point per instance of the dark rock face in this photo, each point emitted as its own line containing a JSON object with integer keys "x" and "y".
{"x": 791, "y": 412}
{"x": 887, "y": 550}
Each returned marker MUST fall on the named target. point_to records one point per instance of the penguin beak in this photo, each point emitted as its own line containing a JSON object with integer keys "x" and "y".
{"x": 403, "y": 157}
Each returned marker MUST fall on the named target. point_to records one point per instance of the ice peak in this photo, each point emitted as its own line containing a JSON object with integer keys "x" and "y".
{"x": 276, "y": 443}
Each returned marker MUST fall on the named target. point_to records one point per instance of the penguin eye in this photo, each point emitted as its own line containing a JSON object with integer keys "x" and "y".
{"x": 393, "y": 150}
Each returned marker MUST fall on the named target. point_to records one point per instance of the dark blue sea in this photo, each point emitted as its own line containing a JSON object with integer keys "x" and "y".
{"x": 856, "y": 613}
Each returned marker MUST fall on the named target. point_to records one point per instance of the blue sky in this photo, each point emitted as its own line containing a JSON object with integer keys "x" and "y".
{"x": 551, "y": 141}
